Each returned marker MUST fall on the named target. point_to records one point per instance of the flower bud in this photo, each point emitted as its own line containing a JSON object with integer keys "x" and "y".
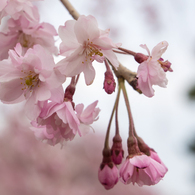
{"x": 108, "y": 172}
{"x": 139, "y": 57}
{"x": 69, "y": 92}
{"x": 117, "y": 150}
{"x": 109, "y": 82}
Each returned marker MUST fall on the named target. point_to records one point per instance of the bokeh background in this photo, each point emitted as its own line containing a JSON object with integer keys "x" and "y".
{"x": 166, "y": 122}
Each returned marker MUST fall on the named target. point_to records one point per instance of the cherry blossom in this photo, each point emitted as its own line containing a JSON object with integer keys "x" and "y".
{"x": 59, "y": 122}
{"x": 27, "y": 34}
{"x": 56, "y": 123}
{"x": 82, "y": 43}
{"x": 150, "y": 71}
{"x": 16, "y": 8}
{"x": 30, "y": 77}
{"x": 143, "y": 170}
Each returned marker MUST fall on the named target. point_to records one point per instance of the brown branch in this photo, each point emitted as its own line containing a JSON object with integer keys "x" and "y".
{"x": 128, "y": 75}
{"x": 73, "y": 12}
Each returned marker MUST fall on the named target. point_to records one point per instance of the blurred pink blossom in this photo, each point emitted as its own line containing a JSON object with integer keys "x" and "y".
{"x": 16, "y": 8}
{"x": 26, "y": 33}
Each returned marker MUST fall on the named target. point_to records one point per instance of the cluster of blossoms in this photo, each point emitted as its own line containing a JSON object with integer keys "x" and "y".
{"x": 142, "y": 165}
{"x": 28, "y": 73}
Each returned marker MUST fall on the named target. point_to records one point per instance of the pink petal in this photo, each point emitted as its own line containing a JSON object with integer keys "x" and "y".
{"x": 84, "y": 129}
{"x": 86, "y": 28}
{"x": 79, "y": 109}
{"x": 3, "y": 3}
{"x": 42, "y": 92}
{"x": 111, "y": 57}
{"x": 144, "y": 46}
{"x": 159, "y": 49}
{"x": 69, "y": 41}
{"x": 89, "y": 73}
{"x": 32, "y": 110}
{"x": 72, "y": 65}
{"x": 144, "y": 178}
{"x": 140, "y": 161}
{"x": 11, "y": 91}
{"x": 145, "y": 87}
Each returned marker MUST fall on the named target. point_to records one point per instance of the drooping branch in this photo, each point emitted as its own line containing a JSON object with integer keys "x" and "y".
{"x": 128, "y": 75}
{"x": 73, "y": 12}
{"x": 122, "y": 71}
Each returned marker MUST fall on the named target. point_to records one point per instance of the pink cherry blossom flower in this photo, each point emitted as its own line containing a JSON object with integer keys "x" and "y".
{"x": 27, "y": 34}
{"x": 108, "y": 176}
{"x": 82, "y": 43}
{"x": 16, "y": 8}
{"x": 59, "y": 122}
{"x": 56, "y": 123}
{"x": 31, "y": 77}
{"x": 143, "y": 170}
{"x": 150, "y": 71}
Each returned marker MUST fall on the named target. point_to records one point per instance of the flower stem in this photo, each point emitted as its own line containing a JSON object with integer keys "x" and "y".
{"x": 107, "y": 65}
{"x": 116, "y": 113}
{"x": 131, "y": 123}
{"x": 106, "y": 144}
{"x": 127, "y": 51}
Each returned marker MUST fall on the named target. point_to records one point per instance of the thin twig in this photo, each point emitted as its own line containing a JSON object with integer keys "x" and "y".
{"x": 127, "y": 51}
{"x": 73, "y": 12}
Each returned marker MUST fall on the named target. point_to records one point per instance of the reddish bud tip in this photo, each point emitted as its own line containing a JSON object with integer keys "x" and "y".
{"x": 139, "y": 57}
{"x": 69, "y": 92}
{"x": 109, "y": 82}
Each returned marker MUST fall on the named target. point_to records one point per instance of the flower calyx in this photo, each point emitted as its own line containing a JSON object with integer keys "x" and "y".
{"x": 117, "y": 151}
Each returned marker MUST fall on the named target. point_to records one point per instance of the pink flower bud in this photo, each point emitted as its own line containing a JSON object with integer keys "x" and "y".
{"x": 109, "y": 82}
{"x": 117, "y": 150}
{"x": 139, "y": 57}
{"x": 69, "y": 92}
{"x": 108, "y": 172}
{"x": 108, "y": 176}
